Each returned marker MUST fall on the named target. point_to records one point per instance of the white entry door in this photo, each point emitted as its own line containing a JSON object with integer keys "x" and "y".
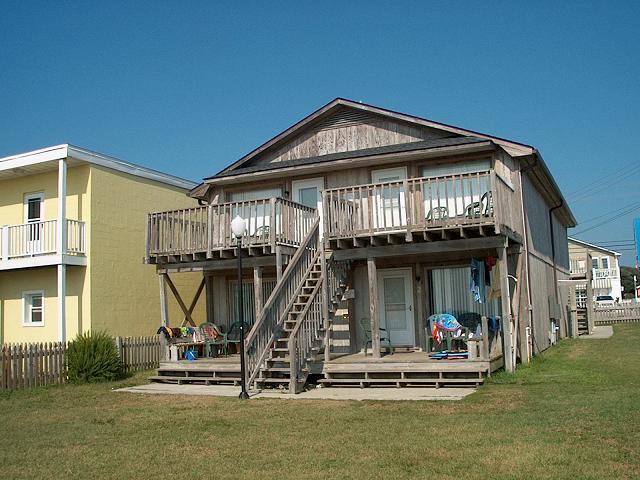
{"x": 33, "y": 217}
{"x": 391, "y": 209}
{"x": 395, "y": 304}
{"x": 308, "y": 192}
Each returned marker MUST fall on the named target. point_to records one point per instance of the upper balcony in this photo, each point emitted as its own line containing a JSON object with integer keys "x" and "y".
{"x": 427, "y": 208}
{"x": 205, "y": 232}
{"x": 36, "y": 244}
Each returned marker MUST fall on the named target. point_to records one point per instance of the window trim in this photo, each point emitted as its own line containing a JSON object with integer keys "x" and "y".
{"x": 33, "y": 196}
{"x": 26, "y": 308}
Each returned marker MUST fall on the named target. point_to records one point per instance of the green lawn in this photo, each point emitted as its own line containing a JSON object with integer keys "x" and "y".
{"x": 573, "y": 414}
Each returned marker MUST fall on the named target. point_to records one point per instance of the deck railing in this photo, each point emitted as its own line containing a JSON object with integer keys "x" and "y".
{"x": 420, "y": 204}
{"x": 41, "y": 238}
{"x": 489, "y": 345}
{"x": 208, "y": 228}
{"x": 304, "y": 337}
{"x": 276, "y": 308}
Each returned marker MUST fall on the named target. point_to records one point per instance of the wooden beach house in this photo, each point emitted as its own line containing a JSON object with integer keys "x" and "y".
{"x": 362, "y": 225}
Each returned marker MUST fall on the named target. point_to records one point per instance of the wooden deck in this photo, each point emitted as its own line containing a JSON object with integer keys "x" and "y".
{"x": 397, "y": 370}
{"x": 204, "y": 371}
{"x": 406, "y": 369}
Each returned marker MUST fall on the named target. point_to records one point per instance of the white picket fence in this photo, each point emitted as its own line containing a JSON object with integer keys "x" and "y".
{"x": 27, "y": 365}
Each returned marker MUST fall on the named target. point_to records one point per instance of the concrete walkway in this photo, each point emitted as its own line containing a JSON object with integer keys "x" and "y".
{"x": 342, "y": 393}
{"x": 600, "y": 332}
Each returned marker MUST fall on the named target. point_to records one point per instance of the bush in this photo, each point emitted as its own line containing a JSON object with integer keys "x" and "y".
{"x": 93, "y": 357}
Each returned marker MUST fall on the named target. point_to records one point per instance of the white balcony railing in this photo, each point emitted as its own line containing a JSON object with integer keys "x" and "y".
{"x": 599, "y": 273}
{"x": 40, "y": 238}
{"x": 578, "y": 268}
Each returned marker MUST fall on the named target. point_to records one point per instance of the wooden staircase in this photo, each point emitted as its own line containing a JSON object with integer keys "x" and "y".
{"x": 277, "y": 371}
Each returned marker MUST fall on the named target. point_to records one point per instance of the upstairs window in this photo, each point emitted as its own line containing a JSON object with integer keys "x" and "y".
{"x": 605, "y": 262}
{"x": 33, "y": 309}
{"x": 594, "y": 262}
{"x": 457, "y": 168}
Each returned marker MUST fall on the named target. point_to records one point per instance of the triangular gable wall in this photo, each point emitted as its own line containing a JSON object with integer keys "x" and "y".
{"x": 347, "y": 129}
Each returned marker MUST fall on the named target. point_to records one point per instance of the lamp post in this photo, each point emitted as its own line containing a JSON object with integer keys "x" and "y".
{"x": 239, "y": 229}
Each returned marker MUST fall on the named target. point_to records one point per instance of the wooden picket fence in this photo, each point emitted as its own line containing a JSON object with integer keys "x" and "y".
{"x": 140, "y": 353}
{"x": 28, "y": 365}
{"x": 621, "y": 313}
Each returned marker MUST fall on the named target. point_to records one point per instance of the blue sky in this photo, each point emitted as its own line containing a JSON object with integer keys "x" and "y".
{"x": 188, "y": 87}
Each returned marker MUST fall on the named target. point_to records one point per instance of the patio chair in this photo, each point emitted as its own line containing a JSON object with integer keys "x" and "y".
{"x": 483, "y": 208}
{"x": 470, "y": 320}
{"x": 385, "y": 338}
{"x": 233, "y": 336}
{"x": 452, "y": 331}
{"x": 438, "y": 213}
{"x": 213, "y": 337}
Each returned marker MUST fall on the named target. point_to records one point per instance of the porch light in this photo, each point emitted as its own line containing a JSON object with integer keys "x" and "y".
{"x": 239, "y": 230}
{"x": 238, "y": 227}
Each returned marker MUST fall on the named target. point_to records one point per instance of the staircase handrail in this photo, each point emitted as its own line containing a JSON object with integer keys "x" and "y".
{"x": 304, "y": 334}
{"x": 276, "y": 308}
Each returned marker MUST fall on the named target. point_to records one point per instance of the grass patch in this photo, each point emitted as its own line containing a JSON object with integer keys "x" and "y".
{"x": 573, "y": 413}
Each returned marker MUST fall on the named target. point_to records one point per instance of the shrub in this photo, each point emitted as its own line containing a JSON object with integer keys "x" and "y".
{"x": 93, "y": 357}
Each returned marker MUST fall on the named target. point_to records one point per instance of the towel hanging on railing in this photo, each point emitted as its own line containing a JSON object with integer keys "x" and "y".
{"x": 477, "y": 283}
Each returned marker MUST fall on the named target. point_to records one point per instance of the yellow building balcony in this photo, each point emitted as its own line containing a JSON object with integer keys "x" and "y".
{"x": 38, "y": 244}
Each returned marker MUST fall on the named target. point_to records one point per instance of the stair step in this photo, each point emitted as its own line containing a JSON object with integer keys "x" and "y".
{"x": 413, "y": 381}
{"x": 283, "y": 381}
{"x": 198, "y": 380}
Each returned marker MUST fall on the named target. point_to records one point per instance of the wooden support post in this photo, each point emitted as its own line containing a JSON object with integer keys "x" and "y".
{"x": 484, "y": 346}
{"x": 325, "y": 304}
{"x": 408, "y": 209}
{"x": 257, "y": 290}
{"x": 590, "y": 310}
{"x": 178, "y": 298}
{"x": 507, "y": 318}
{"x": 573, "y": 311}
{"x": 209, "y": 298}
{"x": 278, "y": 263}
{"x": 518, "y": 339}
{"x": 419, "y": 303}
{"x": 164, "y": 305}
{"x": 373, "y": 306}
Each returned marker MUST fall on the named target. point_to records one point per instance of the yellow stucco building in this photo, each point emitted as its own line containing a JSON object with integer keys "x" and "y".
{"x": 72, "y": 243}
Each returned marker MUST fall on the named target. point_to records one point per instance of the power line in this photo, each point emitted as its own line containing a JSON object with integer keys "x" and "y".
{"x": 631, "y": 205}
{"x": 615, "y": 177}
{"x": 619, "y": 215}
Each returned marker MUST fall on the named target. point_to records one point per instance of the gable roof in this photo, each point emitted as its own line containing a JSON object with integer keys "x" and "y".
{"x": 366, "y": 152}
{"x": 46, "y": 159}
{"x": 330, "y": 108}
{"x": 593, "y": 246}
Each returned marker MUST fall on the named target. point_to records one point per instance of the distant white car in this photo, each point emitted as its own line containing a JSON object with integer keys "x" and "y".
{"x": 605, "y": 301}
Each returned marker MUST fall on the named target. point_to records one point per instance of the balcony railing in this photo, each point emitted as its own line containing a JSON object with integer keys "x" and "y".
{"x": 203, "y": 230}
{"x": 420, "y": 204}
{"x": 578, "y": 268}
{"x": 40, "y": 238}
{"x": 599, "y": 273}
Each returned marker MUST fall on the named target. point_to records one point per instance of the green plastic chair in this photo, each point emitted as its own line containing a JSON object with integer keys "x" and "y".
{"x": 385, "y": 338}
{"x": 211, "y": 340}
